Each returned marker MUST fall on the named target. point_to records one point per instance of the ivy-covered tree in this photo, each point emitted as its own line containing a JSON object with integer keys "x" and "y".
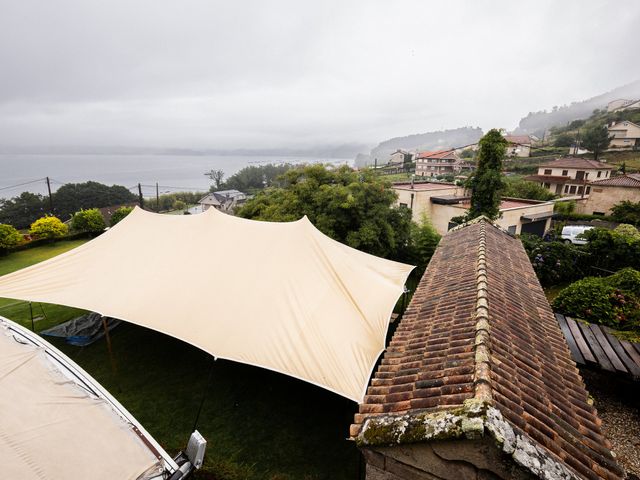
{"x": 596, "y": 139}
{"x": 486, "y": 183}
{"x": 355, "y": 208}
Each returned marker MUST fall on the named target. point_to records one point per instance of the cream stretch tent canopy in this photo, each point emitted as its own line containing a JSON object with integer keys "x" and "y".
{"x": 282, "y": 296}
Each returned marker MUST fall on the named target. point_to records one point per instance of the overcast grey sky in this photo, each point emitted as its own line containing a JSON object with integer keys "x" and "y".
{"x": 201, "y": 73}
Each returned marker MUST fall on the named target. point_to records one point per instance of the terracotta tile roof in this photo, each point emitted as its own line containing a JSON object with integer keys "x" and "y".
{"x": 577, "y": 162}
{"x": 519, "y": 139}
{"x": 629, "y": 180}
{"x": 548, "y": 178}
{"x": 479, "y": 352}
{"x": 436, "y": 154}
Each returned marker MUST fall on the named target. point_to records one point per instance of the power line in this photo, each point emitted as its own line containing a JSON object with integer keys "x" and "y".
{"x": 21, "y": 184}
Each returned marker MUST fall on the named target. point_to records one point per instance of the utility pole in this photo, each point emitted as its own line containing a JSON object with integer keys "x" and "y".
{"x": 140, "y": 198}
{"x": 157, "y": 198}
{"x": 50, "y": 197}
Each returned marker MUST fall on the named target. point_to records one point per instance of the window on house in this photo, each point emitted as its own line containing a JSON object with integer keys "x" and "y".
{"x": 566, "y": 189}
{"x": 580, "y": 175}
{"x": 580, "y": 190}
{"x": 547, "y": 185}
{"x": 547, "y": 171}
{"x": 572, "y": 189}
{"x": 512, "y": 229}
{"x": 404, "y": 205}
{"x": 588, "y": 190}
{"x": 599, "y": 173}
{"x": 565, "y": 173}
{"x": 598, "y": 213}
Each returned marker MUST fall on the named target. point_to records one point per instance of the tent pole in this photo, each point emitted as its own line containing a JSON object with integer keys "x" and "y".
{"x": 33, "y": 328}
{"x": 108, "y": 337}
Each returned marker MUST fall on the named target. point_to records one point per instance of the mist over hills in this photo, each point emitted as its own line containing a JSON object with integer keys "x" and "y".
{"x": 438, "y": 140}
{"x": 537, "y": 122}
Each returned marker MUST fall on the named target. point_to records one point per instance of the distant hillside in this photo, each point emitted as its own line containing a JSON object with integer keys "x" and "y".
{"x": 421, "y": 141}
{"x": 537, "y": 122}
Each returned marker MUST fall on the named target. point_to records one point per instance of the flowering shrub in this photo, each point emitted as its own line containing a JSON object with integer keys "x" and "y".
{"x": 610, "y": 301}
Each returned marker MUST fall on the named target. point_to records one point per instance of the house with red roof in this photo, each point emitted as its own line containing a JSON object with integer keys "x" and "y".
{"x": 438, "y": 162}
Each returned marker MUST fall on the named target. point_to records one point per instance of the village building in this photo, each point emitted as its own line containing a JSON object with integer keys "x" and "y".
{"x": 438, "y": 162}
{"x": 570, "y": 175}
{"x": 223, "y": 200}
{"x": 442, "y": 202}
{"x": 400, "y": 157}
{"x": 626, "y": 135}
{"x": 477, "y": 381}
{"x": 519, "y": 145}
{"x": 609, "y": 192}
{"x": 622, "y": 104}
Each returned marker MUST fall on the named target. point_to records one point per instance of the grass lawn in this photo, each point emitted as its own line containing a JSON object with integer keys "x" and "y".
{"x": 258, "y": 424}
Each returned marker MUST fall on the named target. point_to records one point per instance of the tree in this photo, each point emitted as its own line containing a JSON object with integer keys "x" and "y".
{"x": 596, "y": 139}
{"x": 255, "y": 177}
{"x": 23, "y": 210}
{"x": 216, "y": 176}
{"x": 563, "y": 140}
{"x": 626, "y": 212}
{"x": 519, "y": 188}
{"x": 9, "y": 237}
{"x": 355, "y": 208}
{"x": 486, "y": 183}
{"x": 72, "y": 197}
{"x": 48, "y": 228}
{"x": 623, "y": 167}
{"x": 90, "y": 221}
{"x": 425, "y": 239}
{"x": 119, "y": 214}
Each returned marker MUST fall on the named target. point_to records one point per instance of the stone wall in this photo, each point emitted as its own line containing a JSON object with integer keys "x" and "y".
{"x": 445, "y": 459}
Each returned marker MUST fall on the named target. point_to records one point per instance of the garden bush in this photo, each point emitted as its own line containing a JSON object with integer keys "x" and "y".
{"x": 88, "y": 221}
{"x": 598, "y": 301}
{"x": 48, "y": 228}
{"x": 119, "y": 214}
{"x": 9, "y": 237}
{"x": 555, "y": 262}
{"x": 613, "y": 249}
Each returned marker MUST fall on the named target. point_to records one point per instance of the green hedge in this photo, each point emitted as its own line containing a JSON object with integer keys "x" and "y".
{"x": 45, "y": 241}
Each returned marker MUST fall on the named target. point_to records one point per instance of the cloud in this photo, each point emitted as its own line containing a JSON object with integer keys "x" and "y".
{"x": 286, "y": 73}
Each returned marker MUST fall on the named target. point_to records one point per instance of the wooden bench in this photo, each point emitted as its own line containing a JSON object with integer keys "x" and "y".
{"x": 596, "y": 346}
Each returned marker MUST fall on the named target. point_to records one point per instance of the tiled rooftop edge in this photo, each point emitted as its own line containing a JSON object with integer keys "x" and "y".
{"x": 472, "y": 420}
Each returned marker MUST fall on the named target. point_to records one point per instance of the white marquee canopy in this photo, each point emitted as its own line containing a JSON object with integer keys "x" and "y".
{"x": 282, "y": 296}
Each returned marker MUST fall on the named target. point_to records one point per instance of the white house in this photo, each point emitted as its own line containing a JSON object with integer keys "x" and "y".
{"x": 626, "y": 135}
{"x": 223, "y": 200}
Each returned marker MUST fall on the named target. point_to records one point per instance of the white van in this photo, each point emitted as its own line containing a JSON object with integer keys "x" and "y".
{"x": 570, "y": 234}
